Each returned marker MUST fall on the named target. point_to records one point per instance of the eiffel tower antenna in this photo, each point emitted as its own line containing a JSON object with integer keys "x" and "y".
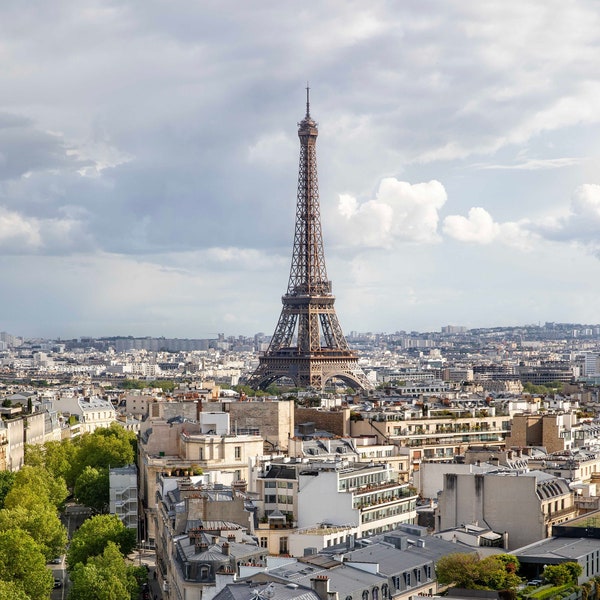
{"x": 308, "y": 345}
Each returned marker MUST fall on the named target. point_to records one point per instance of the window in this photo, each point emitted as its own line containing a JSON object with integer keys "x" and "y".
{"x": 283, "y": 545}
{"x": 264, "y": 542}
{"x": 238, "y": 452}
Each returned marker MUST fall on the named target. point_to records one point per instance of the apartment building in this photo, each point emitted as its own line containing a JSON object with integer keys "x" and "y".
{"x": 199, "y": 549}
{"x": 183, "y": 447}
{"x": 524, "y": 505}
{"x": 440, "y": 434}
{"x": 364, "y": 495}
{"x": 556, "y": 432}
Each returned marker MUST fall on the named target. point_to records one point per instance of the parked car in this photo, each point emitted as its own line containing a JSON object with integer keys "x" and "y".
{"x": 57, "y": 583}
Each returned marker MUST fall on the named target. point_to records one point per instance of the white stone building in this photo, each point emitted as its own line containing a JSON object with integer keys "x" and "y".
{"x": 363, "y": 495}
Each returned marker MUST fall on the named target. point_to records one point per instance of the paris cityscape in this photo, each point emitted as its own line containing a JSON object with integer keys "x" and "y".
{"x": 177, "y": 423}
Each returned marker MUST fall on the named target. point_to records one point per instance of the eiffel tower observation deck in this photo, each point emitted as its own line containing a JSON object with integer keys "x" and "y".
{"x": 308, "y": 345}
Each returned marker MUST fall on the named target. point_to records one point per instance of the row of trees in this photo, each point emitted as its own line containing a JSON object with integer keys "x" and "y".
{"x": 31, "y": 532}
{"x": 497, "y": 572}
{"x": 83, "y": 462}
{"x": 96, "y": 561}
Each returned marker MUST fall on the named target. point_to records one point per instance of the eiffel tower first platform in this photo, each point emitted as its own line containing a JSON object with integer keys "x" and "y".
{"x": 308, "y": 317}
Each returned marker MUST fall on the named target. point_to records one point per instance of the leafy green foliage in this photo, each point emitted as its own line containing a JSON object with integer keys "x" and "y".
{"x": 562, "y": 574}
{"x": 35, "y": 485}
{"x": 12, "y": 590}
{"x": 467, "y": 571}
{"x": 57, "y": 457}
{"x": 23, "y": 563}
{"x": 92, "y": 488}
{"x": 41, "y": 522}
{"x": 93, "y": 536}
{"x": 7, "y": 479}
{"x": 106, "y": 577}
{"x": 552, "y": 387}
{"x": 165, "y": 385}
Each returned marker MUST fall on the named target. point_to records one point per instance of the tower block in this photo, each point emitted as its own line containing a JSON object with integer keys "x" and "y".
{"x": 308, "y": 345}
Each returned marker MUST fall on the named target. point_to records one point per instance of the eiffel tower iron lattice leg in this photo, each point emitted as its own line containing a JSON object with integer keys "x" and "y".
{"x": 308, "y": 345}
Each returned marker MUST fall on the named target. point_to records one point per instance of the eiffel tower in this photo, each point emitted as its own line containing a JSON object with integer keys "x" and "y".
{"x": 308, "y": 317}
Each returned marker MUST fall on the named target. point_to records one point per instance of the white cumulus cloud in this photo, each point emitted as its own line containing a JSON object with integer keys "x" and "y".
{"x": 479, "y": 227}
{"x": 579, "y": 223}
{"x": 400, "y": 212}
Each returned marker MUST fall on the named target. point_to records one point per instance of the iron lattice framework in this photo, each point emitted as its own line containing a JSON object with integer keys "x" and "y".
{"x": 308, "y": 345}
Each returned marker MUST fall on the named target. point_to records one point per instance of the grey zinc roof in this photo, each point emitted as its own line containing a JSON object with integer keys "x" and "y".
{"x": 344, "y": 580}
{"x": 265, "y": 591}
{"x": 390, "y": 560}
{"x": 558, "y": 549}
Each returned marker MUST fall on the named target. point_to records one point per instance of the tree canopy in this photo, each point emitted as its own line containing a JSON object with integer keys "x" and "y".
{"x": 33, "y": 486}
{"x": 23, "y": 563}
{"x": 11, "y": 590}
{"x": 7, "y": 478}
{"x": 41, "y": 522}
{"x": 89, "y": 456}
{"x": 93, "y": 536}
{"x": 106, "y": 577}
{"x": 562, "y": 574}
{"x": 92, "y": 488}
{"x": 467, "y": 571}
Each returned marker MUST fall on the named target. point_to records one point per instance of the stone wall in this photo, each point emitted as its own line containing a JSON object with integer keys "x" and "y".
{"x": 335, "y": 421}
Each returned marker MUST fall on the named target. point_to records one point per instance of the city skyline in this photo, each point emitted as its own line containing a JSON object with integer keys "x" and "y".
{"x": 148, "y": 164}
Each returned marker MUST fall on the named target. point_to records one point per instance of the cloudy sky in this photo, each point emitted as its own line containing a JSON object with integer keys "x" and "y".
{"x": 149, "y": 156}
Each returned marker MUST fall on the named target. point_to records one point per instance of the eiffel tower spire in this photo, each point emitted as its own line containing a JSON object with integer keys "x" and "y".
{"x": 308, "y": 345}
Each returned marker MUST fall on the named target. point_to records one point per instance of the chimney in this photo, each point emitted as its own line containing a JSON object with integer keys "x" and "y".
{"x": 225, "y": 548}
{"x": 215, "y": 539}
{"x": 320, "y": 584}
{"x": 420, "y": 543}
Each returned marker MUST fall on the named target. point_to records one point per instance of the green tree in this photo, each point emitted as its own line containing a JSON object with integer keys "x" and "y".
{"x": 164, "y": 384}
{"x": 468, "y": 571}
{"x": 459, "y": 569}
{"x": 106, "y": 577}
{"x": 93, "y": 536}
{"x": 132, "y": 384}
{"x": 35, "y": 484}
{"x": 22, "y": 562}
{"x": 496, "y": 573}
{"x": 103, "y": 450}
{"x": 12, "y": 590}
{"x": 7, "y": 479}
{"x": 575, "y": 569}
{"x": 562, "y": 574}
{"x": 92, "y": 488}
{"x": 41, "y": 522}
{"x": 57, "y": 457}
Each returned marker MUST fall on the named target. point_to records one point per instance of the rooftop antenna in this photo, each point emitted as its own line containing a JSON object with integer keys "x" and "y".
{"x": 307, "y": 100}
